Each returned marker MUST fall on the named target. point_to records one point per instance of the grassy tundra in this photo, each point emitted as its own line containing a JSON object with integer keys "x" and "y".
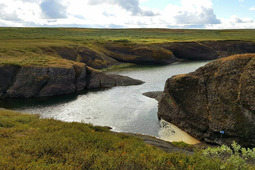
{"x": 84, "y": 36}
{"x": 28, "y": 142}
{"x": 100, "y": 48}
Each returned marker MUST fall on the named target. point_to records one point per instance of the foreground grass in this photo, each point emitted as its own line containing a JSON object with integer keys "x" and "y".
{"x": 28, "y": 142}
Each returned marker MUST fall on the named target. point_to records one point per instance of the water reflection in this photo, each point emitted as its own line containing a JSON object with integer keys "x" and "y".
{"x": 124, "y": 109}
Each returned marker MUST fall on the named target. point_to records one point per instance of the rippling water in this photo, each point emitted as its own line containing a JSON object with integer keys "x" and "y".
{"x": 124, "y": 109}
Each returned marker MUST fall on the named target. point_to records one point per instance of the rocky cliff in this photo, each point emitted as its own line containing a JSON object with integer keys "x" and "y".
{"x": 31, "y": 81}
{"x": 217, "y": 97}
{"x": 113, "y": 53}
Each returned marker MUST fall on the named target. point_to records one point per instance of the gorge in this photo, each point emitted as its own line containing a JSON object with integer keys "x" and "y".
{"x": 37, "y": 63}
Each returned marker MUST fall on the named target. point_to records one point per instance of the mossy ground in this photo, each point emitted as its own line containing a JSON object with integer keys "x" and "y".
{"x": 28, "y": 142}
{"x": 238, "y": 57}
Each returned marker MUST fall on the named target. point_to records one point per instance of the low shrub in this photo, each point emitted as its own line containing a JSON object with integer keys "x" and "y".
{"x": 28, "y": 142}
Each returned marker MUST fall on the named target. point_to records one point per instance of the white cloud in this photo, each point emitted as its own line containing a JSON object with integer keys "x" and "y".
{"x": 130, "y": 5}
{"x": 196, "y": 3}
{"x": 114, "y": 13}
{"x": 234, "y": 22}
{"x": 5, "y": 23}
{"x": 19, "y": 11}
{"x": 252, "y": 8}
{"x": 236, "y": 19}
{"x": 194, "y": 12}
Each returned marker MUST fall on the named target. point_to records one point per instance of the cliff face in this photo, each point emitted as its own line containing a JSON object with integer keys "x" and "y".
{"x": 192, "y": 51}
{"x": 83, "y": 54}
{"x": 208, "y": 50}
{"x": 139, "y": 53}
{"x": 29, "y": 81}
{"x": 217, "y": 97}
{"x": 114, "y": 53}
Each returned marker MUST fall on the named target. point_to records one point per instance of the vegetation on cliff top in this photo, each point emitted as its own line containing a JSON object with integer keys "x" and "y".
{"x": 37, "y": 61}
{"x": 28, "y": 142}
{"x": 100, "y": 48}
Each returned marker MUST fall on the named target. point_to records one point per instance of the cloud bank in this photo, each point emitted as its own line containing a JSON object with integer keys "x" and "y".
{"x": 116, "y": 14}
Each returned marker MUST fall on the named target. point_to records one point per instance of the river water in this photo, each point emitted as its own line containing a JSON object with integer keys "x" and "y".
{"x": 124, "y": 109}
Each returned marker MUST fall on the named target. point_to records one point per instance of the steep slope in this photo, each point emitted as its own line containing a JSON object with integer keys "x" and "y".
{"x": 217, "y": 97}
{"x": 103, "y": 55}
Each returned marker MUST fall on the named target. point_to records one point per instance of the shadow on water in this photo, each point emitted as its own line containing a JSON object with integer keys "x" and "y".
{"x": 133, "y": 67}
{"x": 123, "y": 108}
{"x": 24, "y": 103}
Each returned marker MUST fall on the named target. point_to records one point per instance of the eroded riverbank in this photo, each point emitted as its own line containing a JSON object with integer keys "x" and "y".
{"x": 124, "y": 109}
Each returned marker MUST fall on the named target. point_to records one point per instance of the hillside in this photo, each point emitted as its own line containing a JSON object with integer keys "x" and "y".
{"x": 101, "y": 48}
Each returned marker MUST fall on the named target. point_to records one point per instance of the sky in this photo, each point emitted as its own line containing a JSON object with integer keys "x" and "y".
{"x": 191, "y": 14}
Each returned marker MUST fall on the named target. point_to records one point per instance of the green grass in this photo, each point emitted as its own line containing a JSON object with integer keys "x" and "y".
{"x": 28, "y": 142}
{"x": 80, "y": 35}
{"x": 36, "y": 43}
{"x": 120, "y": 67}
{"x": 182, "y": 145}
{"x": 37, "y": 61}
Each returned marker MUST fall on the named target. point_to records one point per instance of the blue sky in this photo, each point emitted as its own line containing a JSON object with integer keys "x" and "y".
{"x": 222, "y": 8}
{"x": 207, "y": 14}
{"x": 227, "y": 8}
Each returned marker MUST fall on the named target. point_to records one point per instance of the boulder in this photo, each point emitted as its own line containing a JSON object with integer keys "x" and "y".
{"x": 217, "y": 97}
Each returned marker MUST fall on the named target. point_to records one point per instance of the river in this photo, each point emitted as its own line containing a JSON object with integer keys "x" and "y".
{"x": 124, "y": 109}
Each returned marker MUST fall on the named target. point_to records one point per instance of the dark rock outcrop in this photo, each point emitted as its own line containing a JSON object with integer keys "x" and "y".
{"x": 103, "y": 55}
{"x": 29, "y": 81}
{"x": 192, "y": 51}
{"x": 217, "y": 97}
{"x": 83, "y": 54}
{"x": 101, "y": 80}
{"x": 227, "y": 48}
{"x": 209, "y": 50}
{"x": 8, "y": 74}
{"x": 166, "y": 53}
{"x": 157, "y": 95}
{"x": 139, "y": 54}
